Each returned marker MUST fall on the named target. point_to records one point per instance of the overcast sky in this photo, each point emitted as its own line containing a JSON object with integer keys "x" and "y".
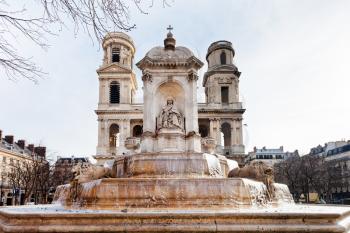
{"x": 293, "y": 55}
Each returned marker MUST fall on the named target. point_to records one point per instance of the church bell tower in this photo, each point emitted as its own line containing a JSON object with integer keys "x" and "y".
{"x": 221, "y": 79}
{"x": 221, "y": 83}
{"x": 117, "y": 87}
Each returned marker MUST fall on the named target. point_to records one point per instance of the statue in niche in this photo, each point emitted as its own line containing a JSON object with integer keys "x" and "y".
{"x": 170, "y": 117}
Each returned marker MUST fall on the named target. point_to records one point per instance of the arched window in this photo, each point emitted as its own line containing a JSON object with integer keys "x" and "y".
{"x": 115, "y": 54}
{"x": 114, "y": 93}
{"x": 226, "y": 131}
{"x": 137, "y": 131}
{"x": 203, "y": 131}
{"x": 223, "y": 58}
{"x": 113, "y": 135}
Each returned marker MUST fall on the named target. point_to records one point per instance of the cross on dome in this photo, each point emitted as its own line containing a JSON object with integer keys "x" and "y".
{"x": 170, "y": 28}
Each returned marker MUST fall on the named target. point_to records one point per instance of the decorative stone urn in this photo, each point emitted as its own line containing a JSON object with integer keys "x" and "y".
{"x": 132, "y": 143}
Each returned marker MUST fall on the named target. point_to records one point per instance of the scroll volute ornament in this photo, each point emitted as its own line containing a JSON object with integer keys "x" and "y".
{"x": 146, "y": 76}
{"x": 192, "y": 76}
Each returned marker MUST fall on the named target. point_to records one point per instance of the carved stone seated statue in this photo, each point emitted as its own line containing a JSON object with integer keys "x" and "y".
{"x": 170, "y": 117}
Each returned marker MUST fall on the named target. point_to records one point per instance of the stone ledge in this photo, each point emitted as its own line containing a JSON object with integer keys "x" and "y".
{"x": 54, "y": 218}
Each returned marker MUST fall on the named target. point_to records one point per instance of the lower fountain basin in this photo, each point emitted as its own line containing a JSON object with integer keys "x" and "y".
{"x": 296, "y": 218}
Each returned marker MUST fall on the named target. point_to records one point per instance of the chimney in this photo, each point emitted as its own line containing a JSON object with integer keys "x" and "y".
{"x": 40, "y": 151}
{"x": 31, "y": 147}
{"x": 21, "y": 143}
{"x": 9, "y": 139}
{"x": 0, "y": 135}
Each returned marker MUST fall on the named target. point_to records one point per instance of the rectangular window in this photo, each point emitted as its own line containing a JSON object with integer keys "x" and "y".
{"x": 224, "y": 95}
{"x": 114, "y": 94}
{"x": 115, "y": 55}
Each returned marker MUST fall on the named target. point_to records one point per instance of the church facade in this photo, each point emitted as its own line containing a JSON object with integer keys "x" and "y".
{"x": 120, "y": 119}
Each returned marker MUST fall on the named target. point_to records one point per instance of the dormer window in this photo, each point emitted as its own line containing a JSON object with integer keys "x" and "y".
{"x": 115, "y": 55}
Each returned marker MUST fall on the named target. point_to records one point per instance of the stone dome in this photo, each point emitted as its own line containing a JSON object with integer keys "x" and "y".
{"x": 159, "y": 53}
{"x": 221, "y": 44}
{"x": 169, "y": 55}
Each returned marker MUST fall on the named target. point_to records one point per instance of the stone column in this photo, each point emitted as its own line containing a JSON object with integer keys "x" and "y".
{"x": 127, "y": 125}
{"x": 211, "y": 128}
{"x": 191, "y": 103}
{"x": 193, "y": 141}
{"x": 233, "y": 133}
{"x": 105, "y": 93}
{"x": 147, "y": 143}
{"x": 100, "y": 137}
{"x": 239, "y": 131}
{"x": 105, "y": 57}
{"x": 147, "y": 105}
{"x": 217, "y": 130}
{"x": 109, "y": 52}
{"x": 106, "y": 135}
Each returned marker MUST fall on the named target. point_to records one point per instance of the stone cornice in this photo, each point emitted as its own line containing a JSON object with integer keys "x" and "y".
{"x": 191, "y": 62}
{"x": 221, "y": 111}
{"x": 221, "y": 69}
{"x": 139, "y": 111}
{"x": 114, "y": 68}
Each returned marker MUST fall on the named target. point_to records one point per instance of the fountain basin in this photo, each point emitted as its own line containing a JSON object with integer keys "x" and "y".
{"x": 111, "y": 193}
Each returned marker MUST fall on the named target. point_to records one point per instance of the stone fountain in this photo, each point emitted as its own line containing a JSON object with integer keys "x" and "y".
{"x": 171, "y": 185}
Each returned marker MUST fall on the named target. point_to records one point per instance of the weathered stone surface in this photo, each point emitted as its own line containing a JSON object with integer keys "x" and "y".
{"x": 300, "y": 218}
{"x": 162, "y": 193}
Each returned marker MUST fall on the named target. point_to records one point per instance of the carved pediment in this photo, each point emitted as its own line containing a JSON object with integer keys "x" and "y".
{"x": 114, "y": 68}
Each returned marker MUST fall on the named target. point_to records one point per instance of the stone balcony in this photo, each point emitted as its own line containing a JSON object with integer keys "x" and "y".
{"x": 219, "y": 106}
{"x": 230, "y": 150}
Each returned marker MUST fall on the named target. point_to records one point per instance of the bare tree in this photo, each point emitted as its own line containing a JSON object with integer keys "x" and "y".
{"x": 25, "y": 176}
{"x": 288, "y": 172}
{"x": 95, "y": 17}
{"x": 311, "y": 174}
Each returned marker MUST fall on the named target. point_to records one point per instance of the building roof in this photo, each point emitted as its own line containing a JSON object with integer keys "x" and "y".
{"x": 15, "y": 148}
{"x": 338, "y": 150}
{"x": 71, "y": 160}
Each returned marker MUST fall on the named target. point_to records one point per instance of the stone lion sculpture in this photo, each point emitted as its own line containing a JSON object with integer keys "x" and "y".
{"x": 88, "y": 172}
{"x": 259, "y": 171}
